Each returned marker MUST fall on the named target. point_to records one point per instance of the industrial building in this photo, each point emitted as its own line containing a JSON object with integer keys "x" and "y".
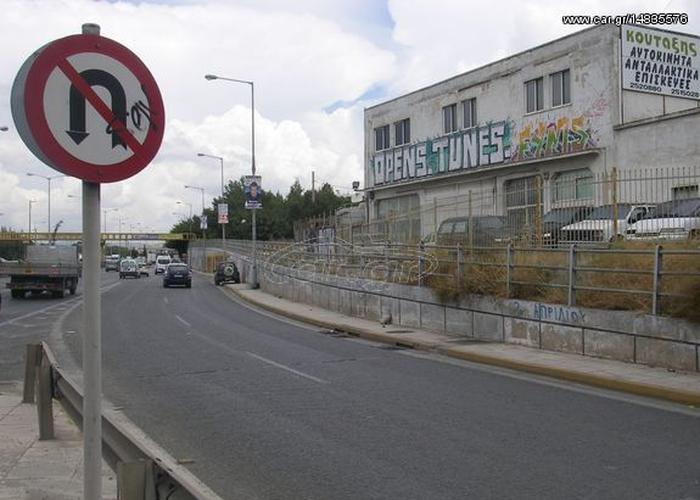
{"x": 549, "y": 127}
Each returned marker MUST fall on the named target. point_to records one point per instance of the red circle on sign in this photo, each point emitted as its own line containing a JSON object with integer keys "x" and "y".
{"x": 54, "y": 55}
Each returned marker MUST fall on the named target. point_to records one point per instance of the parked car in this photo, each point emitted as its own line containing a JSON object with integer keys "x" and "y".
{"x": 226, "y": 272}
{"x": 177, "y": 274}
{"x": 554, "y": 220}
{"x": 673, "y": 220}
{"x": 162, "y": 262}
{"x": 128, "y": 267}
{"x": 599, "y": 225}
{"x": 486, "y": 230}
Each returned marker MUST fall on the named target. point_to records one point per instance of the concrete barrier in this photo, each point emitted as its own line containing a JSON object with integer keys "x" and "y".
{"x": 620, "y": 335}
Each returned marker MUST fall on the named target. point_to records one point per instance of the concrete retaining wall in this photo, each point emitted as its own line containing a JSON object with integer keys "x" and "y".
{"x": 620, "y": 335}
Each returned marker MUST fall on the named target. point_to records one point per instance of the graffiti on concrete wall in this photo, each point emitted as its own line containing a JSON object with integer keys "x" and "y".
{"x": 554, "y": 137}
{"x": 564, "y": 314}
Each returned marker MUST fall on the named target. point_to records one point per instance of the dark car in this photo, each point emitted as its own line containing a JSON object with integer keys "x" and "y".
{"x": 177, "y": 274}
{"x": 486, "y": 230}
{"x": 555, "y": 219}
{"x": 226, "y": 272}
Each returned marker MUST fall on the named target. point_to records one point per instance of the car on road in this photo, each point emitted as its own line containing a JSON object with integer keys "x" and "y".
{"x": 144, "y": 269}
{"x": 599, "y": 225}
{"x": 162, "y": 262}
{"x": 226, "y": 272}
{"x": 177, "y": 274}
{"x": 128, "y": 267}
{"x": 673, "y": 220}
{"x": 112, "y": 263}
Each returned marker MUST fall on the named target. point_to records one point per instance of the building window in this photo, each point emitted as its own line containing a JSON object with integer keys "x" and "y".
{"x": 523, "y": 201}
{"x": 685, "y": 192}
{"x": 534, "y": 95}
{"x": 398, "y": 219}
{"x": 561, "y": 88}
{"x": 381, "y": 138}
{"x": 449, "y": 118}
{"x": 575, "y": 185}
{"x": 469, "y": 109}
{"x": 402, "y": 131}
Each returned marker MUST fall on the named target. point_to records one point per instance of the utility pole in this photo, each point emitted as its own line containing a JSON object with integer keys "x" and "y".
{"x": 313, "y": 187}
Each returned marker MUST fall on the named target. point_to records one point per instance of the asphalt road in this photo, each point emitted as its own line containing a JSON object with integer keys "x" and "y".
{"x": 268, "y": 409}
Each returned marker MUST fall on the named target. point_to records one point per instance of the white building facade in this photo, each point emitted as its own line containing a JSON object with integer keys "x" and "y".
{"x": 536, "y": 128}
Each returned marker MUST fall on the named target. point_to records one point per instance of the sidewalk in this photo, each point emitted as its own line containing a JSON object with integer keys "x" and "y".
{"x": 41, "y": 470}
{"x": 637, "y": 379}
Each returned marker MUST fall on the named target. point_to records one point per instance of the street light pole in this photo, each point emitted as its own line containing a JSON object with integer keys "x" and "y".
{"x": 254, "y": 271}
{"x": 202, "y": 222}
{"x": 189, "y": 250}
{"x": 221, "y": 160}
{"x": 30, "y": 218}
{"x": 48, "y": 178}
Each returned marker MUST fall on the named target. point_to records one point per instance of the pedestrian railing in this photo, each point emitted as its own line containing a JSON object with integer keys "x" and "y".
{"x": 144, "y": 471}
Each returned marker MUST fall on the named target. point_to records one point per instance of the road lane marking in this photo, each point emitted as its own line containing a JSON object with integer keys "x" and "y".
{"x": 287, "y": 368}
{"x": 165, "y": 299}
{"x": 183, "y": 321}
{"x": 65, "y": 303}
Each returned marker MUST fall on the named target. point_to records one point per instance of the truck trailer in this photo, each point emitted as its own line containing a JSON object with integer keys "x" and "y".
{"x": 54, "y": 269}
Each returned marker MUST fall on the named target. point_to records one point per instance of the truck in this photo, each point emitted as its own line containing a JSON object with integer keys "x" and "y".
{"x": 54, "y": 269}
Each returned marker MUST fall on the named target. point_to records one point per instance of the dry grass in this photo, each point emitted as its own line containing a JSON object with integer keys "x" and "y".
{"x": 530, "y": 283}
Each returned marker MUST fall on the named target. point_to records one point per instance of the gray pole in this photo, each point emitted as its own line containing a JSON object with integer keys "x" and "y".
{"x": 92, "y": 335}
{"x": 254, "y": 273}
{"x": 49, "y": 221}
{"x": 223, "y": 226}
{"x": 30, "y": 220}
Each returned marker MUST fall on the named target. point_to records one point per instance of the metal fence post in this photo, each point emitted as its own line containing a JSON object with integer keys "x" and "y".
{"x": 44, "y": 404}
{"x": 386, "y": 261}
{"x": 31, "y": 363}
{"x": 572, "y": 275}
{"x": 509, "y": 268}
{"x": 460, "y": 265}
{"x": 421, "y": 264}
{"x": 657, "y": 280}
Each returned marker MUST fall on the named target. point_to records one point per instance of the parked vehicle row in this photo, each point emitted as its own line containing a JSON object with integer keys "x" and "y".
{"x": 671, "y": 220}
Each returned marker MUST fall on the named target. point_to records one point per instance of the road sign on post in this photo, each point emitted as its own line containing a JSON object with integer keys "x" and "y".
{"x": 88, "y": 107}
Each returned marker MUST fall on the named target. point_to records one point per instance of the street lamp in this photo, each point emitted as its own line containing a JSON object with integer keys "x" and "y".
{"x": 4, "y": 128}
{"x": 221, "y": 160}
{"x": 254, "y": 273}
{"x": 105, "y": 211}
{"x": 48, "y": 178}
{"x": 189, "y": 253}
{"x": 202, "y": 225}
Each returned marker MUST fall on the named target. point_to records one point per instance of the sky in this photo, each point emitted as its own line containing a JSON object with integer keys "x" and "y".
{"x": 316, "y": 65}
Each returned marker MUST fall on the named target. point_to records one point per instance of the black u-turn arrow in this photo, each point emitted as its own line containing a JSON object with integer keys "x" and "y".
{"x": 76, "y": 105}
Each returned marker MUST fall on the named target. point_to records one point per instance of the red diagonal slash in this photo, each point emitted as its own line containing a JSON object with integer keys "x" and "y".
{"x": 99, "y": 105}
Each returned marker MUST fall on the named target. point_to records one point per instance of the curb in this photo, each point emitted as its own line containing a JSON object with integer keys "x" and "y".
{"x": 640, "y": 389}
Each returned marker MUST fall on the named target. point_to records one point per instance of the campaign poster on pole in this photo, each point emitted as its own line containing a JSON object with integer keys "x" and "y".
{"x": 223, "y": 213}
{"x": 253, "y": 191}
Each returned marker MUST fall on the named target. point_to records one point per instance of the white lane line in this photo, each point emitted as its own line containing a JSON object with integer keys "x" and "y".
{"x": 165, "y": 299}
{"x": 284, "y": 367}
{"x": 183, "y": 321}
{"x": 66, "y": 303}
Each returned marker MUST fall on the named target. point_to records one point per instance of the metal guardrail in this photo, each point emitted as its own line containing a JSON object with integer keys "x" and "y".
{"x": 573, "y": 269}
{"x": 144, "y": 470}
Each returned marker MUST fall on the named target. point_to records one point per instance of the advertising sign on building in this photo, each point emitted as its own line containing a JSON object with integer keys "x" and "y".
{"x": 660, "y": 62}
{"x": 253, "y": 191}
{"x": 223, "y": 213}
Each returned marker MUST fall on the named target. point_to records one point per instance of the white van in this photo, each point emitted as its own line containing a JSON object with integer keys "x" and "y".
{"x": 162, "y": 262}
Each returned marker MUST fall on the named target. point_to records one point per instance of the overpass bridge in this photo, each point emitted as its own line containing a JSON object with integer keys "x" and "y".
{"x": 117, "y": 237}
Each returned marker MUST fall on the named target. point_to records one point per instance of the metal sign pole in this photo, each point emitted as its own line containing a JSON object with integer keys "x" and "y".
{"x": 92, "y": 335}
{"x": 92, "y": 344}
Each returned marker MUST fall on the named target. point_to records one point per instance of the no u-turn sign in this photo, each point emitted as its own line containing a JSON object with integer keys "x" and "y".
{"x": 88, "y": 107}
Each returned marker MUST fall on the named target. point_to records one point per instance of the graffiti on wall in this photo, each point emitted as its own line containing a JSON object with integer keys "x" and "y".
{"x": 554, "y": 137}
{"x": 488, "y": 144}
